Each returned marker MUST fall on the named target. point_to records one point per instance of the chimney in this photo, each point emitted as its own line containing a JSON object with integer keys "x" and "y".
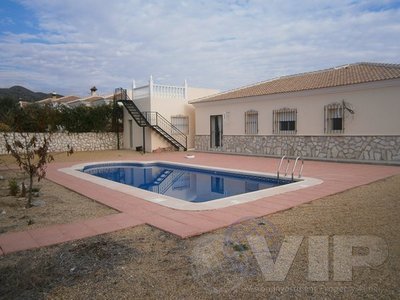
{"x": 93, "y": 91}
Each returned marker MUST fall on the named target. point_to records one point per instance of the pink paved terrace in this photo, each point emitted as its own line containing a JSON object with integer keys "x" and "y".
{"x": 336, "y": 177}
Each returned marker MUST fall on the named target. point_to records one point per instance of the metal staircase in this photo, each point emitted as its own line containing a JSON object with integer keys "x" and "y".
{"x": 153, "y": 120}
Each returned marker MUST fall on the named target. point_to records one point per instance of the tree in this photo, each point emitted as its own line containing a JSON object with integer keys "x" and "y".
{"x": 31, "y": 154}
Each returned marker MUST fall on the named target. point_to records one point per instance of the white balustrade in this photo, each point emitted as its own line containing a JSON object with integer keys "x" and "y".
{"x": 159, "y": 90}
{"x": 169, "y": 91}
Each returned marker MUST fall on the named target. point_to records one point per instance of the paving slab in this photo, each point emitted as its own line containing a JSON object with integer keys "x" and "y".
{"x": 47, "y": 236}
{"x": 17, "y": 241}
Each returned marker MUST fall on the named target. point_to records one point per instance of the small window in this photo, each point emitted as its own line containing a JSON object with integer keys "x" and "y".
{"x": 334, "y": 118}
{"x": 251, "y": 122}
{"x": 285, "y": 121}
{"x": 181, "y": 123}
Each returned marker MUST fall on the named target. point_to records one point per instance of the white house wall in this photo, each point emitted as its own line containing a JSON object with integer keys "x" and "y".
{"x": 376, "y": 107}
{"x": 167, "y": 107}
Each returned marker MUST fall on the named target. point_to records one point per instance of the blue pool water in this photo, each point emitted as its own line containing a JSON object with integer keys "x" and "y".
{"x": 185, "y": 183}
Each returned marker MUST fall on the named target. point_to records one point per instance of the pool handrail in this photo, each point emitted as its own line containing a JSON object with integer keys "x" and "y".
{"x": 280, "y": 165}
{"x": 294, "y": 167}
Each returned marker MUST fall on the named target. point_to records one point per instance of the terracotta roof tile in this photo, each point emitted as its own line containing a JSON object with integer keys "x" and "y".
{"x": 339, "y": 76}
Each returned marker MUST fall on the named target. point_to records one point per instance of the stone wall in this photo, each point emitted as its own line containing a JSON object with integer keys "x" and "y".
{"x": 87, "y": 141}
{"x": 364, "y": 148}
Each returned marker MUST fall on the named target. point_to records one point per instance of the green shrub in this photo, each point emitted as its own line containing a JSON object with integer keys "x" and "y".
{"x": 44, "y": 118}
{"x": 13, "y": 187}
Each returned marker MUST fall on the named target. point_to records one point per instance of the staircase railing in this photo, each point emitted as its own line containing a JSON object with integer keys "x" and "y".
{"x": 153, "y": 120}
{"x": 120, "y": 94}
{"x": 157, "y": 120}
{"x": 140, "y": 118}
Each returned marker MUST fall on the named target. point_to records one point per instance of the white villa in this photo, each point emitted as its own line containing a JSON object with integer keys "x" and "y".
{"x": 159, "y": 116}
{"x": 349, "y": 112}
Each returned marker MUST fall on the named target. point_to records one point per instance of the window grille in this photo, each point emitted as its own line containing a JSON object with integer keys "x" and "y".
{"x": 251, "y": 122}
{"x": 334, "y": 118}
{"x": 181, "y": 123}
{"x": 284, "y": 121}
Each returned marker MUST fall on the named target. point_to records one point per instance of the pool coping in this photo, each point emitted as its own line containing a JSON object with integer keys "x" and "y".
{"x": 175, "y": 203}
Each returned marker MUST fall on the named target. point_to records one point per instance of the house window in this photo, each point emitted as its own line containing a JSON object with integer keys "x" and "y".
{"x": 251, "y": 122}
{"x": 285, "y": 121}
{"x": 181, "y": 123}
{"x": 334, "y": 118}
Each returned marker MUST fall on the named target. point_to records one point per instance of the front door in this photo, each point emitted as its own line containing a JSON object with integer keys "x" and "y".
{"x": 216, "y": 131}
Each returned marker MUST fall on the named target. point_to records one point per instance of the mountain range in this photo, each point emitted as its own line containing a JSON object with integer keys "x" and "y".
{"x": 21, "y": 93}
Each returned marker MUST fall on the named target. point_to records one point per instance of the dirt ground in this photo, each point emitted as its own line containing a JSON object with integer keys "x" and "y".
{"x": 57, "y": 205}
{"x": 60, "y": 204}
{"x": 145, "y": 262}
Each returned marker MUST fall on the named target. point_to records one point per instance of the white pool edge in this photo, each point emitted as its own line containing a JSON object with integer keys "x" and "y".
{"x": 175, "y": 203}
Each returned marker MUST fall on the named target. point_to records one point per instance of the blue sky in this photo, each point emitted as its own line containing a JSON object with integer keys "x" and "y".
{"x": 68, "y": 46}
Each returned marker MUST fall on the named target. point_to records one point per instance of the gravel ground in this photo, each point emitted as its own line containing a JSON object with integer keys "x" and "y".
{"x": 60, "y": 205}
{"x": 144, "y": 262}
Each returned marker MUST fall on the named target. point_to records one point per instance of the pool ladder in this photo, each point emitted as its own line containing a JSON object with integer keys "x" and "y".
{"x": 288, "y": 164}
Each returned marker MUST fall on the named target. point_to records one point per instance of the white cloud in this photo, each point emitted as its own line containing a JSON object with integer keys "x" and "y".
{"x": 217, "y": 44}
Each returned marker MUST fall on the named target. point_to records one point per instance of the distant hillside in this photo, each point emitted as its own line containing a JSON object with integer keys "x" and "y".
{"x": 20, "y": 93}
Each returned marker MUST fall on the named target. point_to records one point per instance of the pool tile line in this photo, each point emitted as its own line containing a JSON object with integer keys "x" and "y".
{"x": 134, "y": 211}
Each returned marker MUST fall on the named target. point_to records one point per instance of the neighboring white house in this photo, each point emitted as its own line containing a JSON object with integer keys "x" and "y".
{"x": 348, "y": 112}
{"x": 57, "y": 101}
{"x": 160, "y": 103}
{"x": 74, "y": 101}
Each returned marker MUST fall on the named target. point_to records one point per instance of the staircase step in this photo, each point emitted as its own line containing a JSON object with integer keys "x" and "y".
{"x": 141, "y": 120}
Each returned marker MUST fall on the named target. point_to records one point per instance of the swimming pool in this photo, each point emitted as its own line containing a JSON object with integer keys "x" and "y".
{"x": 220, "y": 186}
{"x": 186, "y": 183}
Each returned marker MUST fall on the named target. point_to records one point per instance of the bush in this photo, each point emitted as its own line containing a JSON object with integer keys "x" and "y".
{"x": 46, "y": 118}
{"x": 86, "y": 119}
{"x": 13, "y": 187}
